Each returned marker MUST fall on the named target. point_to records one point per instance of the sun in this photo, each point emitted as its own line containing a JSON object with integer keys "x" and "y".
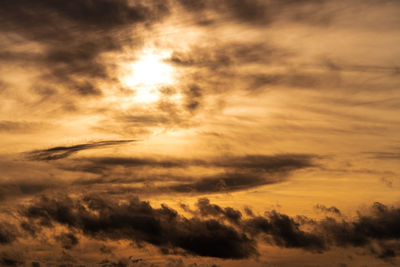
{"x": 148, "y": 74}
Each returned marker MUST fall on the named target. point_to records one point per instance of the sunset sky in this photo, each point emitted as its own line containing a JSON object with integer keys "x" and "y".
{"x": 199, "y": 133}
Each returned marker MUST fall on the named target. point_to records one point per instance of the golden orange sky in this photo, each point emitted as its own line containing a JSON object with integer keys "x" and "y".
{"x": 199, "y": 133}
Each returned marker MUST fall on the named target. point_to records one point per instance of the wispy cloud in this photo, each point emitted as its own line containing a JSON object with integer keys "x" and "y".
{"x": 60, "y": 152}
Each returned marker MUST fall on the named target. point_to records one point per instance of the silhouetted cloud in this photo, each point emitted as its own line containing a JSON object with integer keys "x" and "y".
{"x": 9, "y": 259}
{"x": 224, "y": 183}
{"x": 234, "y": 173}
{"x": 257, "y": 92}
{"x": 8, "y": 233}
{"x": 381, "y": 224}
{"x": 205, "y": 208}
{"x": 262, "y": 163}
{"x": 138, "y": 221}
{"x": 67, "y": 240}
{"x": 60, "y": 152}
{"x": 328, "y": 209}
{"x": 222, "y": 236}
{"x": 285, "y": 232}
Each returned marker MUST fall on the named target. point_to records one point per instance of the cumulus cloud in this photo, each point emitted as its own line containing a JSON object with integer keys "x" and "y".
{"x": 213, "y": 231}
{"x": 138, "y": 221}
{"x": 332, "y": 209}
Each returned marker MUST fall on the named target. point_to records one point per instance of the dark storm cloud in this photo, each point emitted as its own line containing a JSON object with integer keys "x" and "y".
{"x": 223, "y": 236}
{"x": 73, "y": 36}
{"x": 60, "y": 152}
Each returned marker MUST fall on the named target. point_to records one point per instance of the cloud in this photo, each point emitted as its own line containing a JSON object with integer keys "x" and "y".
{"x": 379, "y": 225}
{"x": 25, "y": 187}
{"x": 223, "y": 183}
{"x": 137, "y": 221}
{"x": 61, "y": 152}
{"x": 332, "y": 209}
{"x": 261, "y": 13}
{"x": 212, "y": 231}
{"x": 20, "y": 127}
{"x": 73, "y": 36}
{"x": 285, "y": 231}
{"x": 67, "y": 240}
{"x": 393, "y": 155}
{"x": 232, "y": 173}
{"x": 250, "y": 77}
{"x": 53, "y": 170}
{"x": 205, "y": 208}
{"x": 228, "y": 54}
{"x": 10, "y": 259}
{"x": 8, "y": 233}
{"x": 262, "y": 163}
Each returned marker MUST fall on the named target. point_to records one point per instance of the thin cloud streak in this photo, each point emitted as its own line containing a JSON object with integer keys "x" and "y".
{"x": 61, "y": 152}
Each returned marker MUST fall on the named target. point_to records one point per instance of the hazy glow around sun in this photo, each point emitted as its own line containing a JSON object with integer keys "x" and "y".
{"x": 148, "y": 74}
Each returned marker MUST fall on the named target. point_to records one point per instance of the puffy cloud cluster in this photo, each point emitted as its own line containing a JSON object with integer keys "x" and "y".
{"x": 212, "y": 231}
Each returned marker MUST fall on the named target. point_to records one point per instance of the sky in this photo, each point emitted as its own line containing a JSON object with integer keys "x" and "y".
{"x": 199, "y": 133}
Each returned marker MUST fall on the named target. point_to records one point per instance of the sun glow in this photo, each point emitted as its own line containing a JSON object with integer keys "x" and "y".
{"x": 148, "y": 74}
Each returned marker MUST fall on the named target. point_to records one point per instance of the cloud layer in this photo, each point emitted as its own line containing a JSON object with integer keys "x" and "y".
{"x": 211, "y": 231}
{"x": 279, "y": 105}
